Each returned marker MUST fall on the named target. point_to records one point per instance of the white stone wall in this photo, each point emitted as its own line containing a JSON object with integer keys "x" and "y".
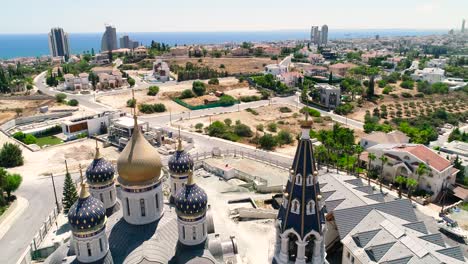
{"x": 132, "y": 206}
{"x": 177, "y": 183}
{"x": 107, "y": 196}
{"x": 95, "y": 252}
{"x": 192, "y": 233}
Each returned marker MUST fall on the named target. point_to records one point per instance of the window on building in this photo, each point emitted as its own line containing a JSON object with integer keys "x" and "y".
{"x": 88, "y": 246}
{"x": 183, "y": 232}
{"x": 311, "y": 207}
{"x": 142, "y": 207}
{"x": 101, "y": 196}
{"x": 110, "y": 195}
{"x": 203, "y": 228}
{"x": 194, "y": 232}
{"x": 309, "y": 180}
{"x": 295, "y": 207}
{"x": 298, "y": 179}
{"x": 100, "y": 245}
{"x": 175, "y": 188}
{"x": 128, "y": 206}
{"x": 77, "y": 249}
{"x": 348, "y": 255}
{"x": 352, "y": 260}
{"x": 156, "y": 198}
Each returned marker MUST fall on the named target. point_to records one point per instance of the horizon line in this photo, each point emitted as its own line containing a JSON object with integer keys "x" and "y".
{"x": 237, "y": 31}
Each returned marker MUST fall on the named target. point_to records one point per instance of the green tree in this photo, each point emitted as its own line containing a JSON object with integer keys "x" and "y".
{"x": 73, "y": 102}
{"x": 213, "y": 81}
{"x": 199, "y": 127}
{"x": 12, "y": 183}
{"x": 187, "y": 93}
{"x": 272, "y": 127}
{"x": 153, "y": 90}
{"x": 268, "y": 142}
{"x": 400, "y": 180}
{"x": 242, "y": 130}
{"x": 371, "y": 88}
{"x": 384, "y": 161}
{"x": 131, "y": 81}
{"x": 284, "y": 137}
{"x": 358, "y": 149}
{"x": 11, "y": 155}
{"x": 60, "y": 97}
{"x": 421, "y": 170}
{"x": 217, "y": 129}
{"x": 411, "y": 185}
{"x": 70, "y": 194}
{"x": 371, "y": 158}
{"x": 198, "y": 88}
{"x": 228, "y": 121}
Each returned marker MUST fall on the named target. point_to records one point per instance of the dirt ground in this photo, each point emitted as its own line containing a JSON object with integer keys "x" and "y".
{"x": 232, "y": 65}
{"x": 28, "y": 107}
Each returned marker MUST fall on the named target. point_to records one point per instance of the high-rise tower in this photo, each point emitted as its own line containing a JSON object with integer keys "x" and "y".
{"x": 463, "y": 26}
{"x": 58, "y": 43}
{"x": 109, "y": 39}
{"x": 324, "y": 35}
{"x": 301, "y": 223}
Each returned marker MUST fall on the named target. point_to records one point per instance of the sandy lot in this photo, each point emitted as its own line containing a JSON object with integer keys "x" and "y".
{"x": 232, "y": 65}
{"x": 29, "y": 107}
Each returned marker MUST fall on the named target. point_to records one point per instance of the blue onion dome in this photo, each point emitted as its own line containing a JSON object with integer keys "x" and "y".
{"x": 181, "y": 162}
{"x": 191, "y": 200}
{"x": 87, "y": 213}
{"x": 100, "y": 170}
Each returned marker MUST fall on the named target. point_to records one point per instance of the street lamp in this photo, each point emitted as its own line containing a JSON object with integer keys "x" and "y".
{"x": 55, "y": 191}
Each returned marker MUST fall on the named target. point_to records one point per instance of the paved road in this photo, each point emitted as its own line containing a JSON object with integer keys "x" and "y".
{"x": 39, "y": 193}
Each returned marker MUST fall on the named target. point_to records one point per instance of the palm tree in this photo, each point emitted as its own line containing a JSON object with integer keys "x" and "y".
{"x": 384, "y": 160}
{"x": 358, "y": 149}
{"x": 371, "y": 157}
{"x": 400, "y": 180}
{"x": 320, "y": 153}
{"x": 421, "y": 170}
{"x": 411, "y": 184}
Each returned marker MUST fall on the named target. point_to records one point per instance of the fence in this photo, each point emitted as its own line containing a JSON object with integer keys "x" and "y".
{"x": 198, "y": 107}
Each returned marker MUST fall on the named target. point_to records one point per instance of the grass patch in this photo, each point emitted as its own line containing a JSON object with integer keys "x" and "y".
{"x": 3, "y": 209}
{"x": 48, "y": 140}
{"x": 464, "y": 206}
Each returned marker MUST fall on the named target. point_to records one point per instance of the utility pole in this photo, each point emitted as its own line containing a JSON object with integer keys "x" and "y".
{"x": 170, "y": 117}
{"x": 55, "y": 191}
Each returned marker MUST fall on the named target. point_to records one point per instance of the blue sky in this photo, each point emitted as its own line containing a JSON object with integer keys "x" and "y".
{"x": 38, "y": 16}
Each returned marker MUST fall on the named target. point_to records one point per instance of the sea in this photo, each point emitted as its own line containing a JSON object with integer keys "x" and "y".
{"x": 34, "y": 45}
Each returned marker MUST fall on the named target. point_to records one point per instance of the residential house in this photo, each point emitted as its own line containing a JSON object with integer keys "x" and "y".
{"x": 140, "y": 52}
{"x": 239, "y": 52}
{"x": 110, "y": 81}
{"x": 432, "y": 75}
{"x": 89, "y": 125}
{"x": 80, "y": 82}
{"x": 180, "y": 51}
{"x": 437, "y": 63}
{"x": 378, "y": 137}
{"x": 340, "y": 69}
{"x": 404, "y": 159}
{"x": 291, "y": 79}
{"x": 330, "y": 96}
{"x": 161, "y": 71}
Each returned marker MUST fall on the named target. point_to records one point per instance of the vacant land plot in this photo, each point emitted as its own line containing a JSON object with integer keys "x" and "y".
{"x": 231, "y": 65}
{"x": 8, "y": 108}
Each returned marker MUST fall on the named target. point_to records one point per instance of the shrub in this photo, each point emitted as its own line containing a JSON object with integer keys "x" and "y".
{"x": 406, "y": 95}
{"x": 25, "y": 138}
{"x": 199, "y": 127}
{"x": 387, "y": 90}
{"x": 60, "y": 97}
{"x": 312, "y": 112}
{"x": 272, "y": 127}
{"x": 73, "y": 102}
{"x": 285, "y": 109}
{"x": 227, "y": 100}
{"x": 394, "y": 96}
{"x": 419, "y": 95}
{"x": 198, "y": 88}
{"x": 187, "y": 94}
{"x": 152, "y": 108}
{"x": 11, "y": 155}
{"x": 252, "y": 111}
{"x": 217, "y": 129}
{"x": 284, "y": 137}
{"x": 228, "y": 121}
{"x": 259, "y": 127}
{"x": 153, "y": 90}
{"x": 408, "y": 84}
{"x": 213, "y": 81}
{"x": 249, "y": 98}
{"x": 382, "y": 83}
{"x": 242, "y": 130}
{"x": 131, "y": 103}
{"x": 344, "y": 109}
{"x": 267, "y": 142}
{"x": 221, "y": 66}
{"x": 131, "y": 82}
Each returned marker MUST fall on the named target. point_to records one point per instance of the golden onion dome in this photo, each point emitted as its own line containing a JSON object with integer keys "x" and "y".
{"x": 139, "y": 163}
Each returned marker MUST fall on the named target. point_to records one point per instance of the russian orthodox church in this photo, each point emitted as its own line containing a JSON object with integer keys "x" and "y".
{"x": 138, "y": 227}
{"x": 301, "y": 223}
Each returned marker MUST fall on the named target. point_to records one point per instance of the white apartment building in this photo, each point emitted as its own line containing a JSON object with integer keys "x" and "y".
{"x": 432, "y": 75}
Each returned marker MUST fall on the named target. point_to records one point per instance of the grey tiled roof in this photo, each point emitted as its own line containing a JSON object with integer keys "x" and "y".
{"x": 376, "y": 252}
{"x": 402, "y": 260}
{"x": 321, "y": 185}
{"x": 376, "y": 197}
{"x": 347, "y": 219}
{"x": 417, "y": 226}
{"x": 331, "y": 205}
{"x": 355, "y": 182}
{"x": 435, "y": 238}
{"x": 363, "y": 238}
{"x": 365, "y": 189}
{"x": 325, "y": 195}
{"x": 453, "y": 252}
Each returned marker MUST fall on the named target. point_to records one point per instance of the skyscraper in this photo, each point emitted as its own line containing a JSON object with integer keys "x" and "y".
{"x": 109, "y": 39}
{"x": 127, "y": 43}
{"x": 315, "y": 35}
{"x": 58, "y": 43}
{"x": 324, "y": 35}
{"x": 463, "y": 26}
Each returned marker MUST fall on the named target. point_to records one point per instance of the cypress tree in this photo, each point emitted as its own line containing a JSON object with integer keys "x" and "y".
{"x": 70, "y": 194}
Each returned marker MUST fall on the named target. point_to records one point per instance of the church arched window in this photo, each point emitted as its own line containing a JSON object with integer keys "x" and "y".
{"x": 194, "y": 232}
{"x": 309, "y": 180}
{"x": 295, "y": 207}
{"x": 101, "y": 196}
{"x": 183, "y": 232}
{"x": 128, "y": 206}
{"x": 299, "y": 179}
{"x": 77, "y": 249}
{"x": 142, "y": 207}
{"x": 88, "y": 247}
{"x": 110, "y": 195}
{"x": 156, "y": 198}
{"x": 100, "y": 245}
{"x": 311, "y": 207}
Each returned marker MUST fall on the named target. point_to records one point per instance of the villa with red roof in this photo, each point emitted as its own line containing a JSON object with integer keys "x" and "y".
{"x": 404, "y": 159}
